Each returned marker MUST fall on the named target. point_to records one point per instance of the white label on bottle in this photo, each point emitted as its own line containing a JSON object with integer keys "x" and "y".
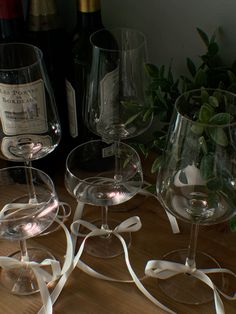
{"x": 19, "y": 147}
{"x": 23, "y": 108}
{"x": 72, "y": 113}
{"x": 109, "y": 91}
{"x": 108, "y": 151}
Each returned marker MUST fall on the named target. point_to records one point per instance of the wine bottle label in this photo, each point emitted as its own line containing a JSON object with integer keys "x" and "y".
{"x": 39, "y": 7}
{"x": 19, "y": 147}
{"x": 108, "y": 151}
{"x": 109, "y": 90}
{"x": 10, "y": 9}
{"x": 72, "y": 112}
{"x": 23, "y": 108}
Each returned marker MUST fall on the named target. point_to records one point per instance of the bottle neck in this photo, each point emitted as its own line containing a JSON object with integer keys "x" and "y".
{"x": 11, "y": 20}
{"x": 89, "y": 15}
{"x": 89, "y": 6}
{"x": 11, "y": 9}
{"x": 89, "y": 21}
{"x": 42, "y": 15}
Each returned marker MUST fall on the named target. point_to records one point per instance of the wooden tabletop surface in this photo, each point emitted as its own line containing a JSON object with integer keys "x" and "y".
{"x": 87, "y": 295}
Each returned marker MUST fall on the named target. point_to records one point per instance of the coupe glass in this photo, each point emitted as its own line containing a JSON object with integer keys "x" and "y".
{"x": 197, "y": 180}
{"x": 30, "y": 127}
{"x": 117, "y": 105}
{"x": 21, "y": 219}
{"x": 103, "y": 174}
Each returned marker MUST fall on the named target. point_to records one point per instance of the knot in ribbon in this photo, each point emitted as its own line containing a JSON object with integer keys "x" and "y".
{"x": 165, "y": 269}
{"x": 131, "y": 224}
{"x": 41, "y": 275}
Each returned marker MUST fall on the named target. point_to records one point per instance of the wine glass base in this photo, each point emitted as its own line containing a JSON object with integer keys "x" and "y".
{"x": 185, "y": 288}
{"x": 107, "y": 246}
{"x": 22, "y": 281}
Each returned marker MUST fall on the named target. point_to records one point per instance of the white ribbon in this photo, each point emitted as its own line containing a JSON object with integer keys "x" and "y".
{"x": 41, "y": 275}
{"x": 165, "y": 269}
{"x": 64, "y": 212}
{"x": 131, "y": 224}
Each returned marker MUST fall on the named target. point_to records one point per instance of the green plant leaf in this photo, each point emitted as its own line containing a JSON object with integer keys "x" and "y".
{"x": 132, "y": 118}
{"x": 203, "y": 36}
{"x": 207, "y": 166}
{"x": 203, "y": 144}
{"x": 213, "y": 49}
{"x": 147, "y": 114}
{"x": 156, "y": 164}
{"x": 152, "y": 70}
{"x": 232, "y": 76}
{"x": 213, "y": 101}
{"x": 143, "y": 149}
{"x": 221, "y": 118}
{"x": 204, "y": 95}
{"x": 197, "y": 129}
{"x": 218, "y": 136}
{"x": 200, "y": 78}
{"x": 191, "y": 67}
{"x": 205, "y": 113}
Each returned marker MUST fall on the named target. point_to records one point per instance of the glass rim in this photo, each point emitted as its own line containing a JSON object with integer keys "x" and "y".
{"x": 53, "y": 191}
{"x": 95, "y": 141}
{"x": 203, "y": 124}
{"x": 33, "y": 47}
{"x": 143, "y": 39}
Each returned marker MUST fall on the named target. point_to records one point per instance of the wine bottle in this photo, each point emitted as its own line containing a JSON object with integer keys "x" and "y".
{"x": 11, "y": 21}
{"x": 44, "y": 29}
{"x": 88, "y": 21}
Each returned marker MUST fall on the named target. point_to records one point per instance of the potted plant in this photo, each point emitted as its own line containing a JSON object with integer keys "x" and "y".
{"x": 164, "y": 89}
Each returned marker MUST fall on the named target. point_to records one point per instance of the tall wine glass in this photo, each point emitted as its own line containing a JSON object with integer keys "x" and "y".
{"x": 92, "y": 178}
{"x": 20, "y": 219}
{"x": 197, "y": 180}
{"x": 30, "y": 127}
{"x": 117, "y": 105}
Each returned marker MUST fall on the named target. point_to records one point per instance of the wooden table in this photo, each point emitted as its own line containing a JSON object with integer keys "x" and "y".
{"x": 85, "y": 294}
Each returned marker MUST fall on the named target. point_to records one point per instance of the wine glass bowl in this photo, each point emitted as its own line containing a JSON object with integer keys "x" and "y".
{"x": 21, "y": 219}
{"x": 197, "y": 179}
{"x": 102, "y": 174}
{"x": 117, "y": 102}
{"x": 30, "y": 128}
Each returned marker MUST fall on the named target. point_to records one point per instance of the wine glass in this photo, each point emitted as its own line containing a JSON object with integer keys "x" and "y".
{"x": 92, "y": 178}
{"x": 117, "y": 105}
{"x": 197, "y": 180}
{"x": 21, "y": 219}
{"x": 30, "y": 127}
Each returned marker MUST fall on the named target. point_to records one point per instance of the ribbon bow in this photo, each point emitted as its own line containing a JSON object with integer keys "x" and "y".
{"x": 131, "y": 224}
{"x": 41, "y": 275}
{"x": 165, "y": 269}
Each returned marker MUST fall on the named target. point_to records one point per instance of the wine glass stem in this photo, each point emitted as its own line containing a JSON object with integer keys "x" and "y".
{"x": 24, "y": 252}
{"x": 192, "y": 247}
{"x": 104, "y": 225}
{"x": 117, "y": 163}
{"x": 29, "y": 178}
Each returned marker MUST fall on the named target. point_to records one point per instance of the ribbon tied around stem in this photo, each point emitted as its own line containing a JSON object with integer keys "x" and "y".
{"x": 161, "y": 269}
{"x": 131, "y": 224}
{"x": 42, "y": 276}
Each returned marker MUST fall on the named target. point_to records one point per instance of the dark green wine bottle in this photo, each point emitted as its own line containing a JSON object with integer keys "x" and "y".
{"x": 11, "y": 21}
{"x": 88, "y": 21}
{"x": 44, "y": 30}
